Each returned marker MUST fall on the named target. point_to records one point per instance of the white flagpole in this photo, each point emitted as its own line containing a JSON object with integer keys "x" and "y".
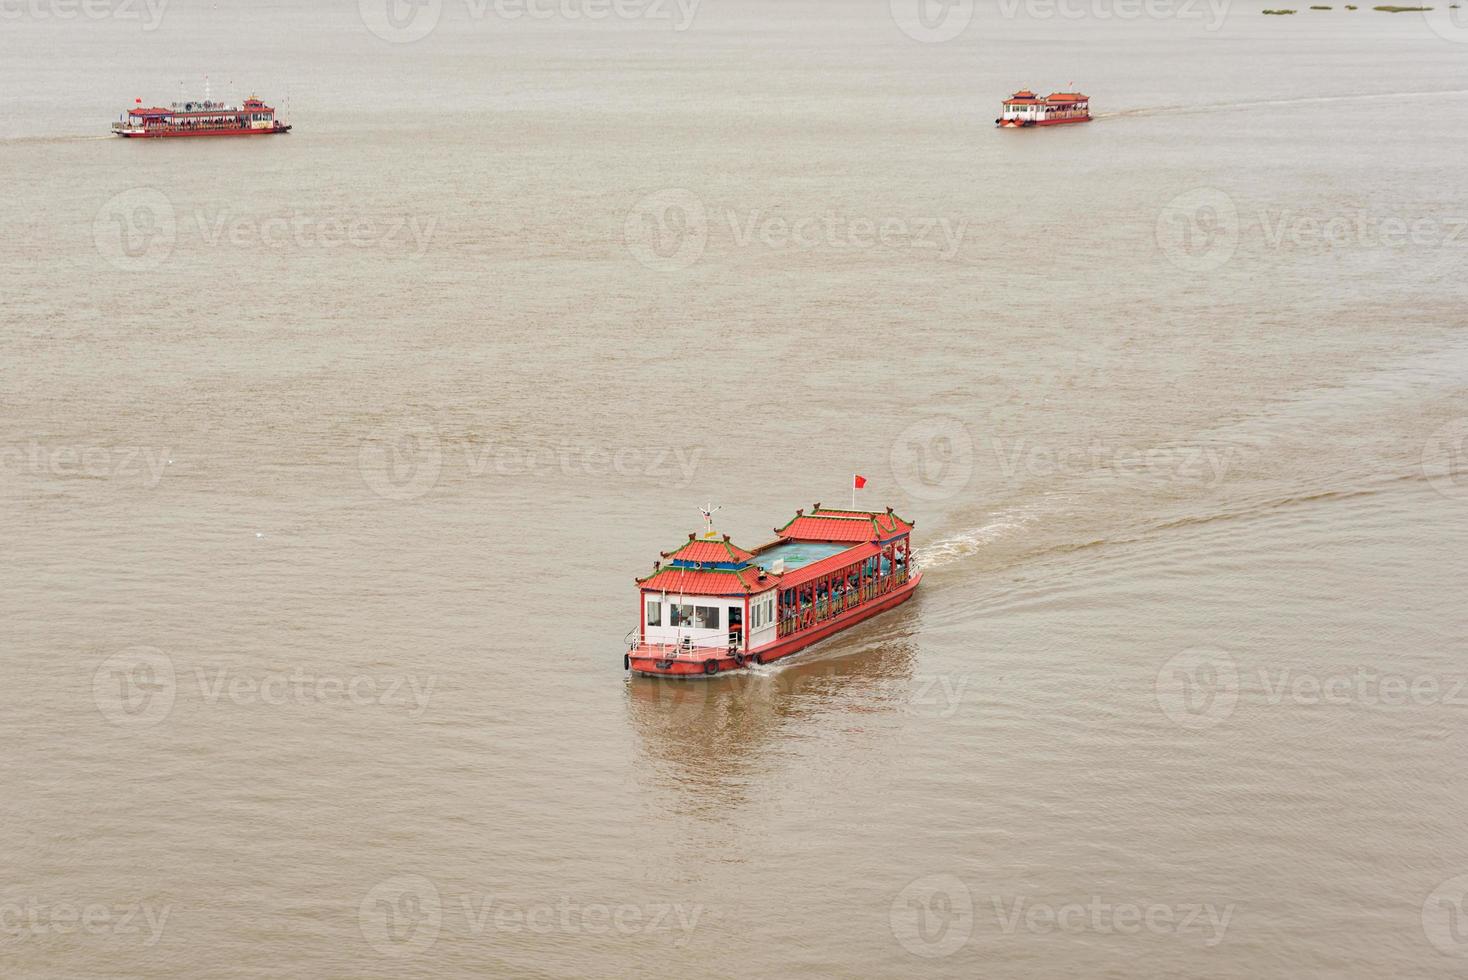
{"x": 853, "y": 491}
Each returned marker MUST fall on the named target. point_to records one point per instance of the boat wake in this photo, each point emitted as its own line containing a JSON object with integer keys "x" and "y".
{"x": 964, "y": 544}
{"x": 55, "y": 139}
{"x": 1227, "y": 106}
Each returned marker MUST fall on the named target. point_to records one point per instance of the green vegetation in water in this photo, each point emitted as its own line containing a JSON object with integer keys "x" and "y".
{"x": 1400, "y": 10}
{"x": 1279, "y": 13}
{"x": 1350, "y": 6}
{"x": 1319, "y": 7}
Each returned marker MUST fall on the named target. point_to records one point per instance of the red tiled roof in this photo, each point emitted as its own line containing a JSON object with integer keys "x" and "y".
{"x": 844, "y": 525}
{"x": 709, "y": 551}
{"x": 1065, "y": 97}
{"x": 688, "y": 581}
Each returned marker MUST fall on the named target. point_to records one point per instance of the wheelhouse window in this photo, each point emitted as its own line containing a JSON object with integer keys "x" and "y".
{"x": 680, "y": 615}
{"x": 706, "y": 617}
{"x": 654, "y": 612}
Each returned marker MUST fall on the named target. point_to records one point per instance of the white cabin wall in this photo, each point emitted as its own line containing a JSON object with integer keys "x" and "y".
{"x": 701, "y": 638}
{"x": 767, "y": 631}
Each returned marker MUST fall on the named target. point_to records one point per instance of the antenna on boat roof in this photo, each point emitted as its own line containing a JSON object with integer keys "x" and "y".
{"x": 708, "y": 511}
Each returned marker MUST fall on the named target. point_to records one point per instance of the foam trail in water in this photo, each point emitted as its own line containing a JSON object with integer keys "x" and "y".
{"x": 963, "y": 544}
{"x": 1309, "y": 100}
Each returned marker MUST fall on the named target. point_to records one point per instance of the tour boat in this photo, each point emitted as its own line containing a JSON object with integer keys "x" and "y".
{"x": 711, "y": 606}
{"x": 203, "y": 118}
{"x": 1025, "y": 108}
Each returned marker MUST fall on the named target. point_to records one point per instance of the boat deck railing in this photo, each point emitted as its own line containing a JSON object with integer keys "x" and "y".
{"x": 824, "y": 608}
{"x": 677, "y": 651}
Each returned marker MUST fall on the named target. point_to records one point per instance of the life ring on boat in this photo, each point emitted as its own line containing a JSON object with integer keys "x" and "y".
{"x": 710, "y": 666}
{"x": 738, "y": 659}
{"x": 626, "y": 661}
{"x": 758, "y": 658}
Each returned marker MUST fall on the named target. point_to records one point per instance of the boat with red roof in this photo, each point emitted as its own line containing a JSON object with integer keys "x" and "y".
{"x": 202, "y": 118}
{"x": 710, "y": 606}
{"x": 1025, "y": 108}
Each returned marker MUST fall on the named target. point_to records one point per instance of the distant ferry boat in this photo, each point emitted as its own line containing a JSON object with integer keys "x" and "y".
{"x": 714, "y": 607}
{"x": 205, "y": 118}
{"x": 1025, "y": 108}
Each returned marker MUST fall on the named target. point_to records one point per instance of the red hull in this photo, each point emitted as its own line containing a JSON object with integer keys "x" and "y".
{"x": 165, "y": 134}
{"x": 781, "y": 648}
{"x": 1015, "y": 124}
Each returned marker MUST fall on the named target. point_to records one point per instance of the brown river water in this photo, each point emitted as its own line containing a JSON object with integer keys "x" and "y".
{"x": 327, "y": 462}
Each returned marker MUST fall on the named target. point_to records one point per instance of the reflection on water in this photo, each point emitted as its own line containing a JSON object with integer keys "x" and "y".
{"x": 705, "y": 738}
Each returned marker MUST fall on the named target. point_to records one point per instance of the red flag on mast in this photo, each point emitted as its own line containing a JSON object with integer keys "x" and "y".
{"x": 858, "y": 481}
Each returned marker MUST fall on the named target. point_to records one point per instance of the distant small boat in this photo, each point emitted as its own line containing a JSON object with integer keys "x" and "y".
{"x": 202, "y": 118}
{"x": 1025, "y": 108}
{"x": 715, "y": 607}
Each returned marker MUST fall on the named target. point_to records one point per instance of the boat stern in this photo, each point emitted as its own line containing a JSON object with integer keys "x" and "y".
{"x": 685, "y": 663}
